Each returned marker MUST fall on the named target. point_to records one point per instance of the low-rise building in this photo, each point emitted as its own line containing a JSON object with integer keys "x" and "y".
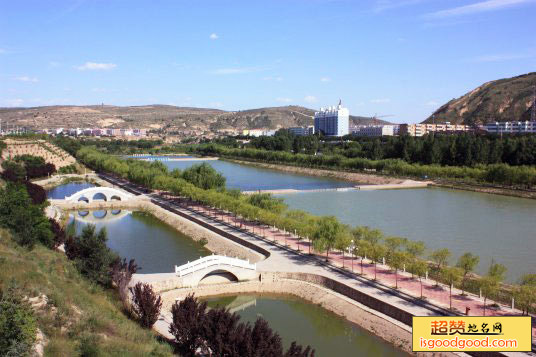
{"x": 511, "y": 127}
{"x": 373, "y": 130}
{"x": 422, "y": 129}
{"x": 302, "y": 131}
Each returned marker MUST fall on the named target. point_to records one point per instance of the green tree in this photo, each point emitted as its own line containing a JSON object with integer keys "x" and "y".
{"x": 451, "y": 275}
{"x": 397, "y": 261}
{"x": 525, "y": 294}
{"x": 420, "y": 268}
{"x": 497, "y": 271}
{"x": 328, "y": 229}
{"x": 440, "y": 257}
{"x": 92, "y": 256}
{"x": 489, "y": 287}
{"x": 377, "y": 252}
{"x": 204, "y": 176}
{"x": 467, "y": 262}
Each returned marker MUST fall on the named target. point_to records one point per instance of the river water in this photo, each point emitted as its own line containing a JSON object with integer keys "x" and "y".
{"x": 307, "y": 324}
{"x": 157, "y": 247}
{"x": 491, "y": 226}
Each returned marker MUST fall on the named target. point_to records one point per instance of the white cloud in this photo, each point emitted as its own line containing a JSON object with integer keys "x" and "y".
{"x": 283, "y": 100}
{"x": 27, "y": 79}
{"x": 432, "y": 103}
{"x": 498, "y": 58}
{"x": 482, "y": 6}
{"x": 310, "y": 99}
{"x": 270, "y": 78}
{"x": 93, "y": 66}
{"x": 215, "y": 104}
{"x": 237, "y": 70}
{"x": 380, "y": 100}
{"x": 13, "y": 102}
{"x": 214, "y": 36}
{"x": 325, "y": 79}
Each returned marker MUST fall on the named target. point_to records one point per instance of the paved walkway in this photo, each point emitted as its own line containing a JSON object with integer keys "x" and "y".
{"x": 289, "y": 254}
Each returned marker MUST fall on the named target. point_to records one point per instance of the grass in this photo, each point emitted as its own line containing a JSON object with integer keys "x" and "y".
{"x": 80, "y": 318}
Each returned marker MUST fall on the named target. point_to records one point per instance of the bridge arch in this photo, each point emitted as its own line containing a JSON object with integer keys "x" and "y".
{"x": 107, "y": 194}
{"x": 218, "y": 276}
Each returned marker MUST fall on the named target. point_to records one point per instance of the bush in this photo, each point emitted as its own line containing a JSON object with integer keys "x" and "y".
{"x": 91, "y": 255}
{"x": 146, "y": 304}
{"x": 18, "y": 326}
{"x": 36, "y": 193}
{"x": 204, "y": 176}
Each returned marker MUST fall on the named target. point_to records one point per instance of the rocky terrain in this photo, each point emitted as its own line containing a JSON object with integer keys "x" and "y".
{"x": 163, "y": 119}
{"x": 507, "y": 99}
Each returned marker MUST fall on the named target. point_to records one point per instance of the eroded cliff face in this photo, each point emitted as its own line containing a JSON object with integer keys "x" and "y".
{"x": 507, "y": 99}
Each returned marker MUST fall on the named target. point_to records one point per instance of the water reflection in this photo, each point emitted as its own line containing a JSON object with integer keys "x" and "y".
{"x": 156, "y": 246}
{"x": 295, "y": 319}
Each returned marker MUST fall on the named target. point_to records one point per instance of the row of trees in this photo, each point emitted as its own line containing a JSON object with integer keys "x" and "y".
{"x": 219, "y": 332}
{"x": 523, "y": 176}
{"x": 326, "y": 233}
{"x": 451, "y": 150}
{"x": 26, "y": 167}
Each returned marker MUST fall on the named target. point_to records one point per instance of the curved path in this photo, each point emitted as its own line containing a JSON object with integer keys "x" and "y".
{"x": 287, "y": 255}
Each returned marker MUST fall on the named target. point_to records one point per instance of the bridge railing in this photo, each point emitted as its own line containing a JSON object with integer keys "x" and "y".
{"x": 212, "y": 260}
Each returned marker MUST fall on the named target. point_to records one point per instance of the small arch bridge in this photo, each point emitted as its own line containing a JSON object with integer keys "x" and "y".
{"x": 107, "y": 194}
{"x": 215, "y": 269}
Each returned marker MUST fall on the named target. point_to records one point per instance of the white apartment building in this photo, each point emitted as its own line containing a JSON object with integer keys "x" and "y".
{"x": 511, "y": 127}
{"x": 332, "y": 121}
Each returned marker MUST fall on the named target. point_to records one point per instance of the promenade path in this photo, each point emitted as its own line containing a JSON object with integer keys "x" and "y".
{"x": 290, "y": 254}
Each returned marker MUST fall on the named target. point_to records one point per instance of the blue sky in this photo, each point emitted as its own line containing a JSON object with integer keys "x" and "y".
{"x": 402, "y": 58}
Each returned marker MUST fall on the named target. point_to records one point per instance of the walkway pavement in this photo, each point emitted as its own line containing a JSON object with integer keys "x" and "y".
{"x": 289, "y": 254}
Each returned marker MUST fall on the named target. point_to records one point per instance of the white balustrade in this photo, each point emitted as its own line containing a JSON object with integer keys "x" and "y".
{"x": 212, "y": 260}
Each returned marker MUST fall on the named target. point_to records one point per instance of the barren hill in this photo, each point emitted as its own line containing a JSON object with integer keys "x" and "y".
{"x": 164, "y": 118}
{"x": 507, "y": 99}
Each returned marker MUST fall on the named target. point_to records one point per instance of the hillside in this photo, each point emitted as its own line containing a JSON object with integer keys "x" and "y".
{"x": 164, "y": 118}
{"x": 507, "y": 99}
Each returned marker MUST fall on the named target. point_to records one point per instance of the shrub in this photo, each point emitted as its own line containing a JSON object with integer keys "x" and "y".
{"x": 91, "y": 255}
{"x": 121, "y": 276}
{"x": 17, "y": 324}
{"x": 188, "y": 325}
{"x": 146, "y": 304}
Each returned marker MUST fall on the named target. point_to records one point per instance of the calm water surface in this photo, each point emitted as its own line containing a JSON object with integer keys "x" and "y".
{"x": 155, "y": 246}
{"x": 62, "y": 191}
{"x": 250, "y": 178}
{"x": 491, "y": 226}
{"x": 297, "y": 320}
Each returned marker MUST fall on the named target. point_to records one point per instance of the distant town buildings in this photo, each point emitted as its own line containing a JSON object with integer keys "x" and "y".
{"x": 422, "y": 129}
{"x": 302, "y": 131}
{"x": 332, "y": 121}
{"x": 510, "y": 127}
{"x": 96, "y": 132}
{"x": 258, "y": 132}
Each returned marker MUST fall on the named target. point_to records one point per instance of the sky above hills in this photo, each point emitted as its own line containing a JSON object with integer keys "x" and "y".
{"x": 402, "y": 57}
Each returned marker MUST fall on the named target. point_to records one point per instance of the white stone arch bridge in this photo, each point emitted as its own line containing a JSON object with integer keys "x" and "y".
{"x": 99, "y": 193}
{"x": 215, "y": 269}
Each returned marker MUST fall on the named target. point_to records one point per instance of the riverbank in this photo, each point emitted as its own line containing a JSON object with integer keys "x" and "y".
{"x": 369, "y": 180}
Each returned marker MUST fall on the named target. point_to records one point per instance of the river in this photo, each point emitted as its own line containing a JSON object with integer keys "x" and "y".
{"x": 491, "y": 226}
{"x": 307, "y": 324}
{"x": 157, "y": 247}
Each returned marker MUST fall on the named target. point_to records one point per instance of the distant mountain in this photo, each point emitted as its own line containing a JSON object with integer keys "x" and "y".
{"x": 163, "y": 118}
{"x": 507, "y": 99}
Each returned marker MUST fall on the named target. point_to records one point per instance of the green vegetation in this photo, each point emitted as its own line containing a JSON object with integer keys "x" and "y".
{"x": 18, "y": 326}
{"x": 77, "y": 314}
{"x": 113, "y": 146}
{"x": 326, "y": 233}
{"x": 204, "y": 176}
{"x": 494, "y": 173}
